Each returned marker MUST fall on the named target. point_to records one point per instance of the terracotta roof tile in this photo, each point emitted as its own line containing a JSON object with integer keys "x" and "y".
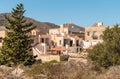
{"x": 59, "y": 48}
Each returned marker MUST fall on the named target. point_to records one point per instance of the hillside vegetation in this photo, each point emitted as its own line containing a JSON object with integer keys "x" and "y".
{"x": 62, "y": 70}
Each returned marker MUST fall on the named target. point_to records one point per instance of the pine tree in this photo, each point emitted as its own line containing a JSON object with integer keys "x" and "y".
{"x": 17, "y": 43}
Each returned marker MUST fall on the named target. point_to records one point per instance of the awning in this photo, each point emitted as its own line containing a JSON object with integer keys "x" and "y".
{"x": 59, "y": 48}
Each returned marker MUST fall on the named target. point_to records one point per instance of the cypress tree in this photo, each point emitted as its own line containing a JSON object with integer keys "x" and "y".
{"x": 17, "y": 43}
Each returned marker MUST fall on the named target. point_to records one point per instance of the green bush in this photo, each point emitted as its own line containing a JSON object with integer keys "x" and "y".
{"x": 42, "y": 68}
{"x": 52, "y": 61}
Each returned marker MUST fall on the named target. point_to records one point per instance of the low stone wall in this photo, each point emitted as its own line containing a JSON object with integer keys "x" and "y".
{"x": 78, "y": 55}
{"x": 78, "y": 60}
{"x": 46, "y": 58}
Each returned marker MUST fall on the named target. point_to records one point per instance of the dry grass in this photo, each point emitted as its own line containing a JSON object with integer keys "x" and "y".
{"x": 63, "y": 70}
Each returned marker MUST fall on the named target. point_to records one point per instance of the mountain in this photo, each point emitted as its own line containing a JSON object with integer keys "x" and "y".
{"x": 42, "y": 26}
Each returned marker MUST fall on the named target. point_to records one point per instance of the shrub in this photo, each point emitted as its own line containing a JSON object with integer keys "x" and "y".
{"x": 42, "y": 68}
{"x": 52, "y": 61}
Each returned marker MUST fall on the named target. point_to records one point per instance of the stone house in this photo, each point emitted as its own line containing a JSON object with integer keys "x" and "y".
{"x": 66, "y": 36}
{"x": 94, "y": 33}
{"x": 72, "y": 29}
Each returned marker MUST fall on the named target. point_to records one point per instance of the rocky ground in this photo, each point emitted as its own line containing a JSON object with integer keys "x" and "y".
{"x": 64, "y": 70}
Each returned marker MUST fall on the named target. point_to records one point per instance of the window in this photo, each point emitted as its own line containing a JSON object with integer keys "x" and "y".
{"x": 77, "y": 42}
{"x": 42, "y": 40}
{"x": 71, "y": 42}
{"x": 94, "y": 36}
{"x": 60, "y": 42}
{"x": 88, "y": 33}
{"x": 33, "y": 33}
{"x": 94, "y": 33}
{"x": 65, "y": 42}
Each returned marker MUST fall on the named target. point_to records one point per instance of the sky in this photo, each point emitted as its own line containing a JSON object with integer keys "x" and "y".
{"x": 81, "y": 12}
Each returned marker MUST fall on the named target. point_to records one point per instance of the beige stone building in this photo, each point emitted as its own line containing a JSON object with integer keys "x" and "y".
{"x": 94, "y": 33}
{"x": 60, "y": 35}
{"x": 72, "y": 29}
{"x": 67, "y": 35}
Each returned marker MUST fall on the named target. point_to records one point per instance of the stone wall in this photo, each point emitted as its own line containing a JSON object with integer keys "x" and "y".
{"x": 46, "y": 58}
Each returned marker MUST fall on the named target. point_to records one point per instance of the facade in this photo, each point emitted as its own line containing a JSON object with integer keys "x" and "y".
{"x": 94, "y": 33}
{"x": 54, "y": 31}
{"x": 72, "y": 29}
{"x": 65, "y": 36}
{"x": 42, "y": 46}
{"x": 35, "y": 34}
{"x": 68, "y": 35}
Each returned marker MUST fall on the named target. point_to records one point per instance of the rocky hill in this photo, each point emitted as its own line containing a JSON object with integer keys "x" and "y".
{"x": 42, "y": 26}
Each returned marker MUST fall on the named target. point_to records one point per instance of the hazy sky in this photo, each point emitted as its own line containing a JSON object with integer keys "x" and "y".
{"x": 80, "y": 12}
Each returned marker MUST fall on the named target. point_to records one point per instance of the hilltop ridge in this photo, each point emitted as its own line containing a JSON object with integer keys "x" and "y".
{"x": 42, "y": 26}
